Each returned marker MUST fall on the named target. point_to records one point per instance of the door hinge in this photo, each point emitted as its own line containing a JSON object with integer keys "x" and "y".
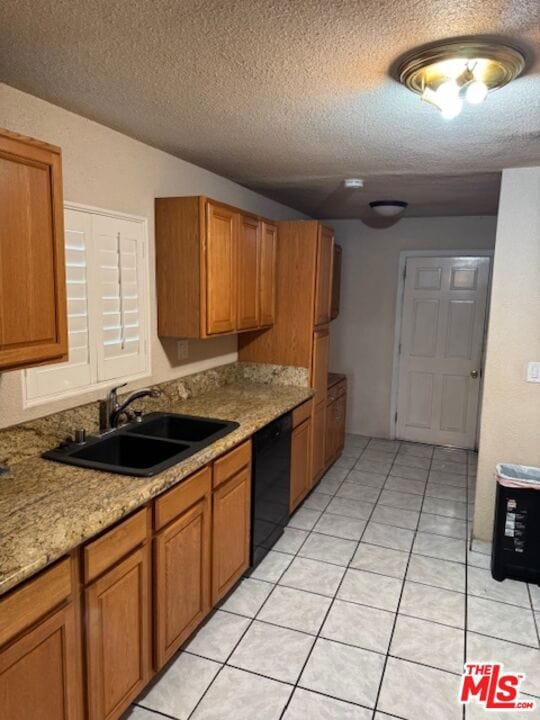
{"x": 404, "y": 271}
{"x": 399, "y": 349}
{"x": 395, "y": 417}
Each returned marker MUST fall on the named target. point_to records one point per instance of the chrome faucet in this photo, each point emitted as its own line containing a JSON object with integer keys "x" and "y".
{"x": 110, "y": 409}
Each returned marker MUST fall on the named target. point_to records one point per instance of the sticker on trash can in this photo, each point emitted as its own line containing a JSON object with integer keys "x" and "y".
{"x": 515, "y": 526}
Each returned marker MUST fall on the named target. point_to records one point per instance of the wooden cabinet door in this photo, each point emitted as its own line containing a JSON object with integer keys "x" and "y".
{"x": 220, "y": 264}
{"x": 231, "y": 532}
{"x": 118, "y": 642}
{"x": 336, "y": 282}
{"x": 267, "y": 274}
{"x": 247, "y": 275}
{"x": 318, "y": 442}
{"x": 182, "y": 579}
{"x": 323, "y": 276}
{"x": 40, "y": 673}
{"x": 33, "y": 317}
{"x": 330, "y": 435}
{"x": 340, "y": 410}
{"x": 300, "y": 463}
{"x": 319, "y": 367}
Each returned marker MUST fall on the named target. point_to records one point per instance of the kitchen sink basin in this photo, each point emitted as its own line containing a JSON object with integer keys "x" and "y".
{"x": 129, "y": 451}
{"x": 181, "y": 427}
{"x": 145, "y": 448}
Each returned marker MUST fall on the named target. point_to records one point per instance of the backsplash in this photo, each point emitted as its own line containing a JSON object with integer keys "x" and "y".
{"x": 31, "y": 438}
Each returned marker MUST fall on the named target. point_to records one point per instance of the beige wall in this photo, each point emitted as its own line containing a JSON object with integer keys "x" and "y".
{"x": 510, "y": 423}
{"x": 362, "y": 338}
{"x": 109, "y": 170}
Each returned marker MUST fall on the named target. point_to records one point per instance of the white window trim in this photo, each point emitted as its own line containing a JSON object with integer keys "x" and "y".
{"x": 42, "y": 400}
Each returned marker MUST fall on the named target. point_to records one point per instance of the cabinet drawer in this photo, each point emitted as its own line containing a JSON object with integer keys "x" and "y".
{"x": 25, "y": 606}
{"x": 180, "y": 498}
{"x": 109, "y": 548}
{"x": 301, "y": 413}
{"x": 337, "y": 390}
{"x": 231, "y": 463}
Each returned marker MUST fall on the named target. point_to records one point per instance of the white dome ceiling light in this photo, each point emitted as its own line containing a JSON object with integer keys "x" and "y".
{"x": 388, "y": 208}
{"x": 449, "y": 74}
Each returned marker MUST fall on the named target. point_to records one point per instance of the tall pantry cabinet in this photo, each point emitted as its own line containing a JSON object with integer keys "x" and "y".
{"x": 300, "y": 334}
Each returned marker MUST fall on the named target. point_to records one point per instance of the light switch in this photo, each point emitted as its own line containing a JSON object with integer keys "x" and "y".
{"x": 533, "y": 372}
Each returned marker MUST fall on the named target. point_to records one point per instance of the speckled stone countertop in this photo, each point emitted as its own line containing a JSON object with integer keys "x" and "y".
{"x": 48, "y": 508}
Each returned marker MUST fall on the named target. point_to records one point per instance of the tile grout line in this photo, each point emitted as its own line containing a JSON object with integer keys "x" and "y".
{"x": 224, "y": 663}
{"x": 330, "y": 606}
{"x": 469, "y": 539}
{"x": 377, "y": 698}
{"x": 535, "y": 620}
{"x": 293, "y": 556}
{"x": 252, "y": 620}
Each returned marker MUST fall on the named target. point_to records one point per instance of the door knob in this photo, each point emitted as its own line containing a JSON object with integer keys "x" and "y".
{"x": 474, "y": 374}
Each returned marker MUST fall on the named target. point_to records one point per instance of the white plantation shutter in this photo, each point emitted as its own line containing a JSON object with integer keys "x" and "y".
{"x": 120, "y": 262}
{"x": 52, "y": 380}
{"x": 107, "y": 306}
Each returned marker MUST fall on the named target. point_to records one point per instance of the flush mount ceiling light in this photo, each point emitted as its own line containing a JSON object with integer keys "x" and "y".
{"x": 388, "y": 208}
{"x": 448, "y": 74}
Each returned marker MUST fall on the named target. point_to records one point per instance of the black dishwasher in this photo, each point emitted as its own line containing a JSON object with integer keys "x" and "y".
{"x": 271, "y": 485}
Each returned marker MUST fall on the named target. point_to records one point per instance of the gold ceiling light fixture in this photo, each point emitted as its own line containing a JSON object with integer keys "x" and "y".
{"x": 453, "y": 72}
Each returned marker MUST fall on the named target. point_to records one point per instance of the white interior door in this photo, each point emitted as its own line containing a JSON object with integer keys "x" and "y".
{"x": 442, "y": 333}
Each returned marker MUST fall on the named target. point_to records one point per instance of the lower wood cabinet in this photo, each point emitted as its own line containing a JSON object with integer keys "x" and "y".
{"x": 335, "y": 422}
{"x": 40, "y": 673}
{"x": 118, "y": 629}
{"x": 300, "y": 455}
{"x": 40, "y": 648}
{"x": 231, "y": 521}
{"x": 182, "y": 565}
{"x": 142, "y": 596}
{"x": 318, "y": 443}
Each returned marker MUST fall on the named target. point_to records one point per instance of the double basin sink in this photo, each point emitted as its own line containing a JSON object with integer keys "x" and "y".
{"x": 144, "y": 448}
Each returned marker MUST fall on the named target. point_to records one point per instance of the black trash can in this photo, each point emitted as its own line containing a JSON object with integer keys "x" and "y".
{"x": 516, "y": 533}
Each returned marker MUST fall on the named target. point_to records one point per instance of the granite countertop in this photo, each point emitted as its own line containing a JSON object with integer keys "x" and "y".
{"x": 49, "y": 508}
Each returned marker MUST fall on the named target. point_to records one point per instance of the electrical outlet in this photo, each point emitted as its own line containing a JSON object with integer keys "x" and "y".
{"x": 533, "y": 372}
{"x": 182, "y": 350}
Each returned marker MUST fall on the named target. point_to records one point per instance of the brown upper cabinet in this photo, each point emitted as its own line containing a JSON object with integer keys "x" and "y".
{"x": 215, "y": 268}
{"x": 299, "y": 335}
{"x": 323, "y": 278}
{"x": 33, "y": 316}
{"x": 248, "y": 262}
{"x": 336, "y": 282}
{"x": 217, "y": 272}
{"x": 303, "y": 282}
{"x": 268, "y": 273}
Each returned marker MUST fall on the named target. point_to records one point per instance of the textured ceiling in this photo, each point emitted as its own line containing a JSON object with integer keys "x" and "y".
{"x": 286, "y": 96}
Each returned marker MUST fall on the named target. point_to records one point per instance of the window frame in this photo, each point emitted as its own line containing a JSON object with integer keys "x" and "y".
{"x": 29, "y": 402}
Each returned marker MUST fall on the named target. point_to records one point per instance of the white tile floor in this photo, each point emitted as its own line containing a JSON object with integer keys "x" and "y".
{"x": 365, "y": 609}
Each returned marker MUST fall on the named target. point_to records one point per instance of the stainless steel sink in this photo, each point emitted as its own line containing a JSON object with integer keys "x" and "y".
{"x": 144, "y": 448}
